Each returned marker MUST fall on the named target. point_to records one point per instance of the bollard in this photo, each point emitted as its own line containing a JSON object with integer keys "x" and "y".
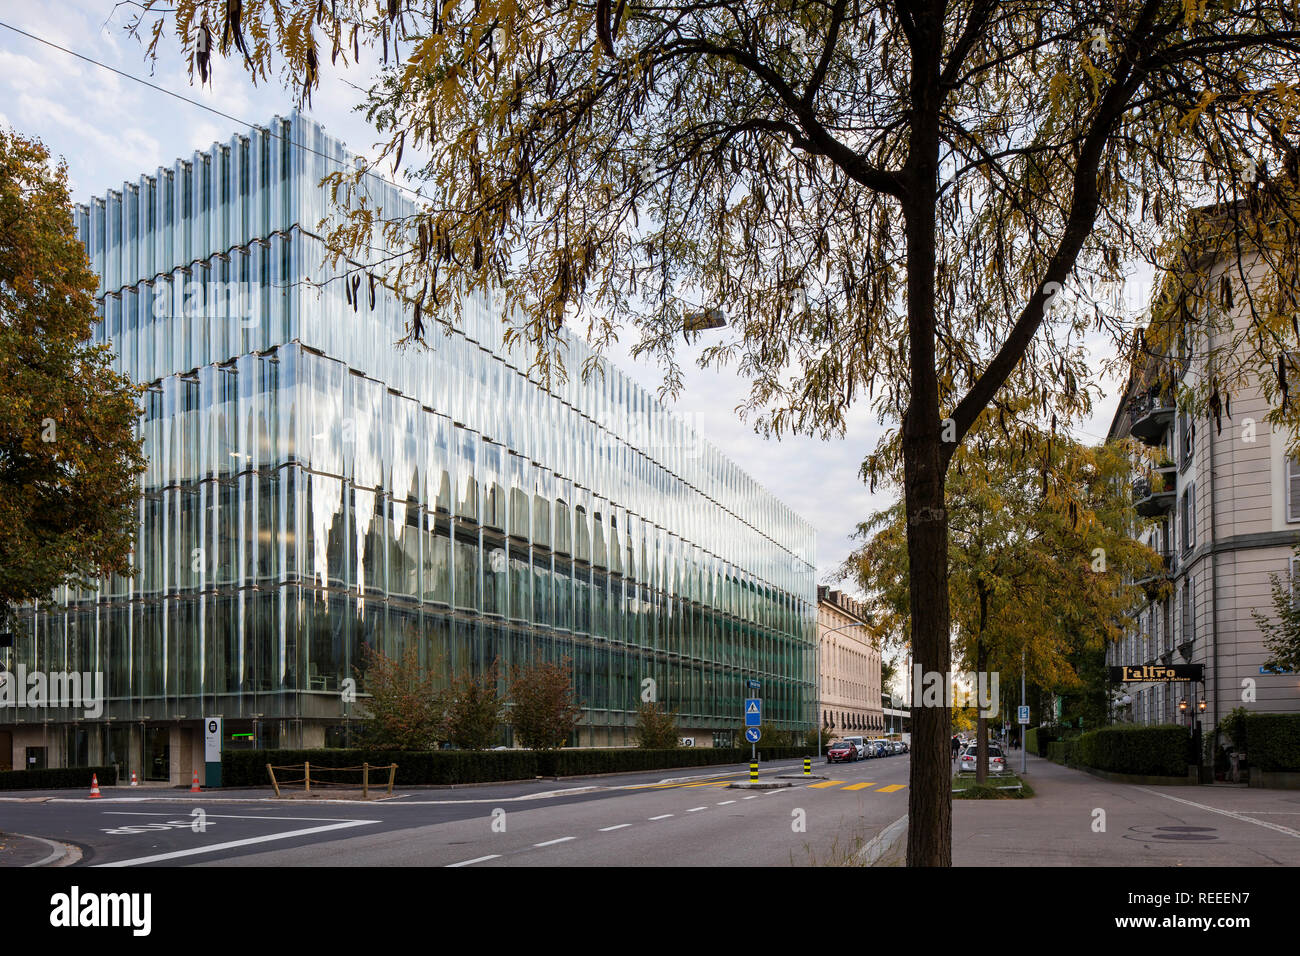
{"x": 753, "y": 773}
{"x": 807, "y": 766}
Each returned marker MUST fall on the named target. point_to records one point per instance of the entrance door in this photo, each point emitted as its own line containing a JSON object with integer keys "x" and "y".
{"x": 157, "y": 753}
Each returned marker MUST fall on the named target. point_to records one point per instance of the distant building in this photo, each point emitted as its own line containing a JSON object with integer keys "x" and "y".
{"x": 849, "y": 666}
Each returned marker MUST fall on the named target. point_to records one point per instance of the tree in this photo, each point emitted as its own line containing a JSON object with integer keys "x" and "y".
{"x": 1039, "y": 573}
{"x": 69, "y": 456}
{"x": 405, "y": 709}
{"x": 474, "y": 710}
{"x": 1282, "y": 636}
{"x": 656, "y": 729}
{"x": 886, "y": 198}
{"x": 543, "y": 710}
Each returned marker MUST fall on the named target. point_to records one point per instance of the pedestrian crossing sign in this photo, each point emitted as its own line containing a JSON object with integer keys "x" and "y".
{"x": 753, "y": 712}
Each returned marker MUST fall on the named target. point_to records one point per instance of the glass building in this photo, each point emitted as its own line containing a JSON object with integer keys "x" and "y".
{"x": 312, "y": 488}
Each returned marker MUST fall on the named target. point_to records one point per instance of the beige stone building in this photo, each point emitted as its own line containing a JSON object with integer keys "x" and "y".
{"x": 1221, "y": 503}
{"x": 848, "y": 666}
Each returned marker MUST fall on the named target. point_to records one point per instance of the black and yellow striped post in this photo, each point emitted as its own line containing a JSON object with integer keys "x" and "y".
{"x": 753, "y": 773}
{"x": 807, "y": 766}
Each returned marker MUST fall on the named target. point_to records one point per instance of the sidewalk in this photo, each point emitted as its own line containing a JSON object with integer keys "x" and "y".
{"x": 1143, "y": 825}
{"x": 19, "y": 850}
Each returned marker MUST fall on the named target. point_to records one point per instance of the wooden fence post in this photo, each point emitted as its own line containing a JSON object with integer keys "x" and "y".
{"x": 392, "y": 775}
{"x": 271, "y": 771}
{"x": 365, "y": 781}
{"x": 306, "y": 772}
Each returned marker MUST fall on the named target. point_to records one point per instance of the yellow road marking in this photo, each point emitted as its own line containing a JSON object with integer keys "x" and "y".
{"x": 822, "y": 786}
{"x": 858, "y": 786}
{"x": 892, "y": 787}
{"x": 711, "y": 783}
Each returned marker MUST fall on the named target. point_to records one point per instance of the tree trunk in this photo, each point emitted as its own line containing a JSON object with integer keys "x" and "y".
{"x": 929, "y": 834}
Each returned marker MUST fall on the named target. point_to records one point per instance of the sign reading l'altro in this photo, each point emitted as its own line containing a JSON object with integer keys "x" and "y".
{"x": 1157, "y": 672}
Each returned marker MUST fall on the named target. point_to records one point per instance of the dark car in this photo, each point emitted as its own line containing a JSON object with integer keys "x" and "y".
{"x": 841, "y": 752}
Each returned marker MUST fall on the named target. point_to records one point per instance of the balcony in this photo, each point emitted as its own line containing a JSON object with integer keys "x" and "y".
{"x": 1150, "y": 417}
{"x": 1150, "y": 499}
{"x": 1155, "y": 582}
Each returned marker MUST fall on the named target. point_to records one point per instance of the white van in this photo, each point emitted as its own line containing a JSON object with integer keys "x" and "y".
{"x": 860, "y": 743}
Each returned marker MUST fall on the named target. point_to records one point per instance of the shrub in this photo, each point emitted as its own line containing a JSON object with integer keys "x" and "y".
{"x": 544, "y": 712}
{"x": 405, "y": 708}
{"x": 656, "y": 729}
{"x": 57, "y": 778}
{"x": 1154, "y": 751}
{"x": 474, "y": 711}
{"x": 1273, "y": 741}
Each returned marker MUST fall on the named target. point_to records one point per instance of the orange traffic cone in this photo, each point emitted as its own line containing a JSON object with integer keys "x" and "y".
{"x": 94, "y": 787}
{"x": 134, "y": 781}
{"x": 194, "y": 787}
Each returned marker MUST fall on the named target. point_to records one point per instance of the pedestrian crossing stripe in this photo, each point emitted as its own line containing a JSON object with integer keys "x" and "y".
{"x": 891, "y": 788}
{"x": 858, "y": 786}
{"x": 826, "y": 785}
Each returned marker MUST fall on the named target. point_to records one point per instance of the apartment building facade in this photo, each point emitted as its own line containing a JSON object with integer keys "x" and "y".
{"x": 1219, "y": 498}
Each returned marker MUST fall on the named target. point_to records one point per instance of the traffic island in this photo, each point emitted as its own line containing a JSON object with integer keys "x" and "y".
{"x": 759, "y": 784}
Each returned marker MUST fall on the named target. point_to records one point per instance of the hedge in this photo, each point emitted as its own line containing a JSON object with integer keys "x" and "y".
{"x": 59, "y": 778}
{"x": 1273, "y": 741}
{"x": 246, "y": 768}
{"x": 1153, "y": 751}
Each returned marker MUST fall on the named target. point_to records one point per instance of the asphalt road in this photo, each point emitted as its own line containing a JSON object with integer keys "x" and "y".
{"x": 632, "y": 820}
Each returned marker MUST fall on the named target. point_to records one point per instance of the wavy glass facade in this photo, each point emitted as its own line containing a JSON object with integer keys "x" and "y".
{"x": 312, "y": 488}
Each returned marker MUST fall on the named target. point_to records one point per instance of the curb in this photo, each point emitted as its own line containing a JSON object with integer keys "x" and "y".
{"x": 885, "y": 843}
{"x": 61, "y": 854}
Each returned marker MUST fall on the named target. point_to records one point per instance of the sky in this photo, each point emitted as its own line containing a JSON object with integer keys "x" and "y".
{"x": 110, "y": 129}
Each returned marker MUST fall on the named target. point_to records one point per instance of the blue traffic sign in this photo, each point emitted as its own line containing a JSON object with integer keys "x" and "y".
{"x": 755, "y": 685}
{"x": 752, "y": 734}
{"x": 1023, "y": 714}
{"x": 753, "y": 711}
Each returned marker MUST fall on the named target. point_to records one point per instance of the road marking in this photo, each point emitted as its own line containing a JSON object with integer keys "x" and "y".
{"x": 718, "y": 783}
{"x": 617, "y": 826}
{"x": 477, "y": 859}
{"x": 694, "y": 809}
{"x": 752, "y": 796}
{"x": 725, "y": 802}
{"x": 858, "y": 786}
{"x": 828, "y": 783}
{"x": 662, "y": 816}
{"x": 1227, "y": 813}
{"x": 553, "y": 842}
{"x": 346, "y": 824}
{"x": 892, "y": 787}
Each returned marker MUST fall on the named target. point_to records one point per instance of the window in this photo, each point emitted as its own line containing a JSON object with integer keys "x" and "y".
{"x": 1292, "y": 488}
{"x": 1186, "y": 439}
{"x": 1189, "y": 611}
{"x": 1187, "y": 518}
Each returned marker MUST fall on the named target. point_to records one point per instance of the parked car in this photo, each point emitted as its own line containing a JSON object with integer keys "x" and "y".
{"x": 968, "y": 759}
{"x": 861, "y": 745}
{"x": 881, "y": 748}
{"x": 841, "y": 751}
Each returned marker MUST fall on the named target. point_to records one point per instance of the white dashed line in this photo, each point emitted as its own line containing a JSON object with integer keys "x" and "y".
{"x": 477, "y": 859}
{"x": 725, "y": 802}
{"x": 662, "y": 816}
{"x": 694, "y": 809}
{"x": 752, "y": 796}
{"x": 553, "y": 842}
{"x": 618, "y": 826}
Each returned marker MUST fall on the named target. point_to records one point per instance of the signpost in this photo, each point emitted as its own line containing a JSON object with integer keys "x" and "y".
{"x": 212, "y": 750}
{"x": 1023, "y": 714}
{"x": 753, "y": 718}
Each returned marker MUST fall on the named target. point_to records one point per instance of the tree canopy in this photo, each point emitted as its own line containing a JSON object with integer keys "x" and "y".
{"x": 69, "y": 454}
{"x": 903, "y": 202}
